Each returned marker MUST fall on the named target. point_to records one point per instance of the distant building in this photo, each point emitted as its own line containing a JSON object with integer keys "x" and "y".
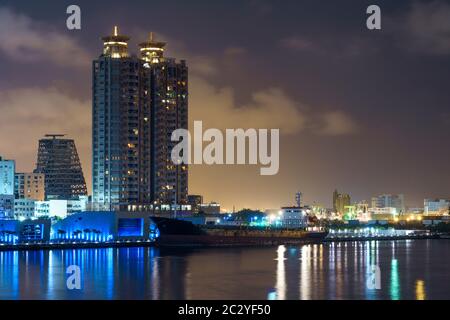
{"x": 58, "y": 160}
{"x": 384, "y": 211}
{"x": 293, "y": 217}
{"x": 436, "y": 206}
{"x": 29, "y": 186}
{"x": 389, "y": 201}
{"x": 209, "y": 208}
{"x": 7, "y": 170}
{"x": 340, "y": 201}
{"x": 60, "y": 208}
{"x": 195, "y": 201}
{"x": 384, "y": 214}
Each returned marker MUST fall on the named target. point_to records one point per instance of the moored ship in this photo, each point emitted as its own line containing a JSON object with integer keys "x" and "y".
{"x": 182, "y": 233}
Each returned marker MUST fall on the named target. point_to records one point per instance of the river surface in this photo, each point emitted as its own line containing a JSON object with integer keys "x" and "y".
{"x": 408, "y": 269}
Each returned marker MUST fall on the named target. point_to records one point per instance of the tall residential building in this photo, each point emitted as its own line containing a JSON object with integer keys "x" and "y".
{"x": 7, "y": 169}
{"x": 29, "y": 186}
{"x": 340, "y": 201}
{"x": 59, "y": 162}
{"x": 137, "y": 103}
{"x": 389, "y": 201}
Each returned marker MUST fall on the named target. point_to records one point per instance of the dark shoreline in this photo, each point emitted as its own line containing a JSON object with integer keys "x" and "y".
{"x": 74, "y": 246}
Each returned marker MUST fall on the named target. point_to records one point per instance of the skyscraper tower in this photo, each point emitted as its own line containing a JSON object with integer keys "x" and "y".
{"x": 58, "y": 160}
{"x": 137, "y": 103}
{"x": 167, "y": 82}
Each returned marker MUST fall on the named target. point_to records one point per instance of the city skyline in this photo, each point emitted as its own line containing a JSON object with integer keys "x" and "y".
{"x": 345, "y": 124}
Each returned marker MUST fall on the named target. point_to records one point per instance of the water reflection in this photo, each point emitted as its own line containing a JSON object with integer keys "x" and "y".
{"x": 305, "y": 273}
{"x": 420, "y": 290}
{"x": 281, "y": 274}
{"x": 320, "y": 271}
{"x": 395, "y": 284}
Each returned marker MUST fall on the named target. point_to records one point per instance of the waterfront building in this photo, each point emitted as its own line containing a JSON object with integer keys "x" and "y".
{"x": 137, "y": 103}
{"x": 59, "y": 162}
{"x": 7, "y": 170}
{"x": 389, "y": 201}
{"x": 60, "y": 208}
{"x": 24, "y": 208}
{"x": 29, "y": 186}
{"x": 105, "y": 226}
{"x": 436, "y": 206}
{"x": 24, "y": 231}
{"x": 340, "y": 201}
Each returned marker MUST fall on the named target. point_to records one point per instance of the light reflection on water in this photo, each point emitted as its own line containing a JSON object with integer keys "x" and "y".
{"x": 408, "y": 270}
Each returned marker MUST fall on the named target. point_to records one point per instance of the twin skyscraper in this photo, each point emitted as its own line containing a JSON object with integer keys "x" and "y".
{"x": 138, "y": 101}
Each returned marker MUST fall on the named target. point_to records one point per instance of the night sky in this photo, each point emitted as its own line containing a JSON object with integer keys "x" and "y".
{"x": 366, "y": 112}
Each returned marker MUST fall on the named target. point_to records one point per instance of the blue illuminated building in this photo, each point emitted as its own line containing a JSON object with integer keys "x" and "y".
{"x": 104, "y": 227}
{"x": 27, "y": 231}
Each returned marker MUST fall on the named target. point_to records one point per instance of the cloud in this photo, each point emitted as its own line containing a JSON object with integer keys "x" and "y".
{"x": 29, "y": 113}
{"x": 24, "y": 39}
{"x": 334, "y": 46}
{"x": 217, "y": 108}
{"x": 298, "y": 43}
{"x": 271, "y": 108}
{"x": 425, "y": 28}
{"x": 235, "y": 51}
{"x": 260, "y": 7}
{"x": 335, "y": 123}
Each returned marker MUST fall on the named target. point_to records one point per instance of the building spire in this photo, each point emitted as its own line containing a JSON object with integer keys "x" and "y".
{"x": 115, "y": 45}
{"x": 152, "y": 51}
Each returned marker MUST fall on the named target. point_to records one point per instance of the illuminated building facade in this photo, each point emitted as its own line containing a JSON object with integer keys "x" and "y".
{"x": 23, "y": 208}
{"x": 105, "y": 226}
{"x": 60, "y": 208}
{"x": 7, "y": 170}
{"x": 29, "y": 186}
{"x": 59, "y": 162}
{"x": 26, "y": 231}
{"x": 137, "y": 103}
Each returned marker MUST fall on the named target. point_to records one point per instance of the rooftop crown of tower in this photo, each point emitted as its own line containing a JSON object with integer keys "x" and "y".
{"x": 115, "y": 45}
{"x": 152, "y": 51}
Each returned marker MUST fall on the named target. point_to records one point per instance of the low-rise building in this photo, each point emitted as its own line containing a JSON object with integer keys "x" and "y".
{"x": 209, "y": 208}
{"x": 100, "y": 226}
{"x": 6, "y": 206}
{"x": 60, "y": 208}
{"x": 24, "y": 208}
{"x": 26, "y": 231}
